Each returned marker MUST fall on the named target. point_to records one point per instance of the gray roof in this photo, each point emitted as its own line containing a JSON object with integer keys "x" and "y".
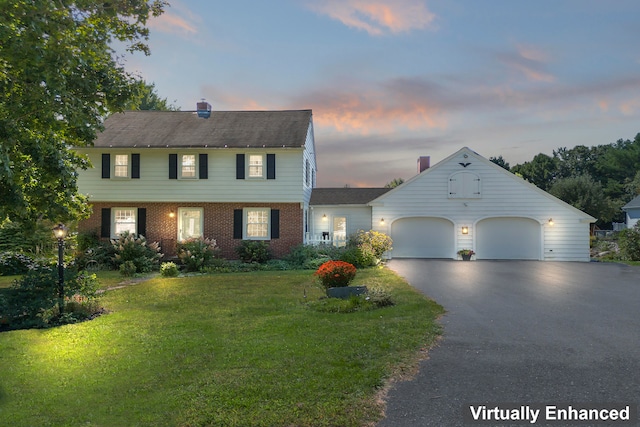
{"x": 224, "y": 129}
{"x": 345, "y": 196}
{"x": 635, "y": 203}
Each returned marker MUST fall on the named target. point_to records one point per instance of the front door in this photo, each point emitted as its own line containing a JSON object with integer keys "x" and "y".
{"x": 189, "y": 223}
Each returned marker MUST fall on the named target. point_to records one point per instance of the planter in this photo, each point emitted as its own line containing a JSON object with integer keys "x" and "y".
{"x": 466, "y": 257}
{"x": 345, "y": 292}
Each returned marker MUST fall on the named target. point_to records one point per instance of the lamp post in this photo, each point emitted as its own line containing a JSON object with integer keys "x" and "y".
{"x": 60, "y": 231}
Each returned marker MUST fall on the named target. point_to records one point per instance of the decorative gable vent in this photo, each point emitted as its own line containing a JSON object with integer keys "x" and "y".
{"x": 203, "y": 109}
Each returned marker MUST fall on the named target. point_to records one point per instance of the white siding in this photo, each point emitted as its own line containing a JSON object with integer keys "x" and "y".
{"x": 358, "y": 218}
{"x": 309, "y": 155}
{"x": 154, "y": 184}
{"x": 503, "y": 195}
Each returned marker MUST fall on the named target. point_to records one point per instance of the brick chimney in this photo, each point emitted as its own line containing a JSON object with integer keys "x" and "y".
{"x": 423, "y": 163}
{"x": 203, "y": 109}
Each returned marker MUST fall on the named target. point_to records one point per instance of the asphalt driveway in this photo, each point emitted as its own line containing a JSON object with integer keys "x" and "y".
{"x": 522, "y": 332}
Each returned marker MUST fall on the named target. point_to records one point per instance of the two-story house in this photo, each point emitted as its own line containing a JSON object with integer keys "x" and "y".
{"x": 227, "y": 175}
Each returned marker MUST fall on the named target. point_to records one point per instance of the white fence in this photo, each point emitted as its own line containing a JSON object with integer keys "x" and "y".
{"x": 326, "y": 238}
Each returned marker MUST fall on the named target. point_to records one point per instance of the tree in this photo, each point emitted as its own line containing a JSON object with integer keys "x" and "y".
{"x": 541, "y": 171}
{"x": 584, "y": 193}
{"x": 59, "y": 78}
{"x": 500, "y": 162}
{"x": 148, "y": 99}
{"x": 394, "y": 183}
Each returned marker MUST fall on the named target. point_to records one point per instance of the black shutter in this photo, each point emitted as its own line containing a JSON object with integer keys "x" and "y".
{"x": 239, "y": 166}
{"x": 173, "y": 166}
{"x": 135, "y": 166}
{"x": 275, "y": 223}
{"x": 237, "y": 223}
{"x": 271, "y": 166}
{"x": 142, "y": 222}
{"x": 105, "y": 223}
{"x": 203, "y": 165}
{"x": 106, "y": 166}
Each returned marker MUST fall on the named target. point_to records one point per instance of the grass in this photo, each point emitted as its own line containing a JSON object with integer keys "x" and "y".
{"x": 241, "y": 349}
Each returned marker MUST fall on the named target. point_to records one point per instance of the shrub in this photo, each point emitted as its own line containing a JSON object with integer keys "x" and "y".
{"x": 128, "y": 269}
{"x": 32, "y": 301}
{"x": 366, "y": 248}
{"x": 169, "y": 269}
{"x": 310, "y": 257}
{"x": 12, "y": 263}
{"x": 629, "y": 242}
{"x": 99, "y": 256}
{"x": 334, "y": 274}
{"x": 379, "y": 297}
{"x": 128, "y": 248}
{"x": 254, "y": 251}
{"x": 197, "y": 253}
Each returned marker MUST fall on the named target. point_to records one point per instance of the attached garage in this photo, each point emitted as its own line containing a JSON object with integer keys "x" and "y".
{"x": 423, "y": 238}
{"x": 508, "y": 238}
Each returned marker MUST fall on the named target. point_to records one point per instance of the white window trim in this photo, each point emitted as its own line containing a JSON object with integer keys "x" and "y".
{"x": 115, "y": 235}
{"x": 196, "y": 166}
{"x": 248, "y": 166}
{"x": 180, "y": 213}
{"x": 245, "y": 223}
{"x": 113, "y": 166}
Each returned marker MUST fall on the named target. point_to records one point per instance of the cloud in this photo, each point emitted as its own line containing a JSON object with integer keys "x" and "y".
{"x": 377, "y": 17}
{"x": 177, "y": 21}
{"x": 528, "y": 61}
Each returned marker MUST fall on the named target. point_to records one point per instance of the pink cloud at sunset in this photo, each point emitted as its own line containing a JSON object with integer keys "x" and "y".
{"x": 171, "y": 23}
{"x": 377, "y": 17}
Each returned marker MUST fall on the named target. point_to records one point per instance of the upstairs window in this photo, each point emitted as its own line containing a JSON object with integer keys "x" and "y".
{"x": 256, "y": 162}
{"x": 307, "y": 177}
{"x": 121, "y": 166}
{"x": 188, "y": 166}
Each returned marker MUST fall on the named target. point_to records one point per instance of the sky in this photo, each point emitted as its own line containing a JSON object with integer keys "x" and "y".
{"x": 391, "y": 80}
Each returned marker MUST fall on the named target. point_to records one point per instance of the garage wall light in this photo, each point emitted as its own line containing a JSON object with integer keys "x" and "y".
{"x": 381, "y": 221}
{"x": 465, "y": 229}
{"x": 551, "y": 222}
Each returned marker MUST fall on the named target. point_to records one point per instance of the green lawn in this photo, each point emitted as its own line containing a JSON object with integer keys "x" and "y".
{"x": 237, "y": 349}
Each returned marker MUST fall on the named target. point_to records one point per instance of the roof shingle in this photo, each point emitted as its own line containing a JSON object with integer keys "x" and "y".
{"x": 224, "y": 129}
{"x": 345, "y": 196}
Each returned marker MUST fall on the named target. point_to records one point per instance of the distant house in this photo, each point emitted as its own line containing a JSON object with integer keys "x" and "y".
{"x": 463, "y": 202}
{"x": 227, "y": 175}
{"x": 632, "y": 211}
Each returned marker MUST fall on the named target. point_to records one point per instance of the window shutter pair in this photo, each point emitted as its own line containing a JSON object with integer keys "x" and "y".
{"x": 238, "y": 223}
{"x": 203, "y": 166}
{"x": 135, "y": 166}
{"x": 271, "y": 166}
{"x": 105, "y": 223}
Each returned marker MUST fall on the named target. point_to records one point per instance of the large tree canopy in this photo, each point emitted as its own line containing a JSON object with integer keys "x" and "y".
{"x": 59, "y": 78}
{"x": 598, "y": 179}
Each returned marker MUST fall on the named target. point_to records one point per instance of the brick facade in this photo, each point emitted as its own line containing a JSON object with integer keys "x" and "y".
{"x": 218, "y": 224}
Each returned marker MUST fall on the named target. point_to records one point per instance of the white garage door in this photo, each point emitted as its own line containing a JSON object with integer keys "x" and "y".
{"x": 508, "y": 238}
{"x": 422, "y": 238}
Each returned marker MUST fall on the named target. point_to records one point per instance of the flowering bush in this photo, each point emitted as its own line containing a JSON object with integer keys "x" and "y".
{"x": 131, "y": 250}
{"x": 333, "y": 274}
{"x": 197, "y": 253}
{"x": 366, "y": 248}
